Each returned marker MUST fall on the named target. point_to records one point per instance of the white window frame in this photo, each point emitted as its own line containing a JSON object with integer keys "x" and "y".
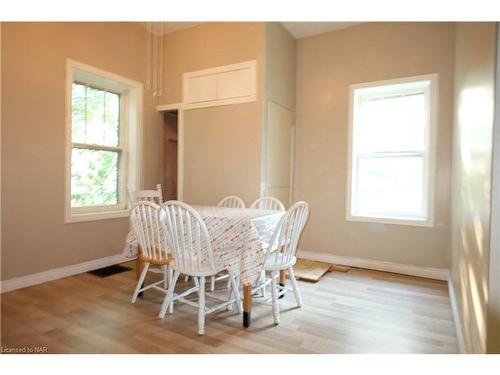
{"x": 131, "y": 93}
{"x": 429, "y": 154}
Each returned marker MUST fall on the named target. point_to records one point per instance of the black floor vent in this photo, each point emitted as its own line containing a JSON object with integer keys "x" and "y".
{"x": 109, "y": 271}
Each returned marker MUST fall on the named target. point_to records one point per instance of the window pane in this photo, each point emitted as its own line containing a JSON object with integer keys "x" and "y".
{"x": 94, "y": 177}
{"x": 391, "y": 186}
{"x": 78, "y": 113}
{"x": 111, "y": 119}
{"x": 96, "y": 116}
{"x": 391, "y": 124}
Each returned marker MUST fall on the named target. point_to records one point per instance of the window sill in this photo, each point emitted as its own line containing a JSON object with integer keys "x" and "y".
{"x": 94, "y": 216}
{"x": 386, "y": 220}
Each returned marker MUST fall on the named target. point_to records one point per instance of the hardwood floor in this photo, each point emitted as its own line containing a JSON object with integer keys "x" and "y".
{"x": 359, "y": 311}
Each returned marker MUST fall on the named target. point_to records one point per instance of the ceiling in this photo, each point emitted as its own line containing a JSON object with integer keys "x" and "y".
{"x": 297, "y": 29}
{"x": 305, "y": 29}
{"x": 170, "y": 27}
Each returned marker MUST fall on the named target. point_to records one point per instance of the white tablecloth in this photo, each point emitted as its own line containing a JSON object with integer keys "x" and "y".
{"x": 239, "y": 237}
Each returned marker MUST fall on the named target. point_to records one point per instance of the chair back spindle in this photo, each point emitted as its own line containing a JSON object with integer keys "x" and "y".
{"x": 268, "y": 203}
{"x": 285, "y": 239}
{"x": 145, "y": 219}
{"x": 231, "y": 201}
{"x": 155, "y": 196}
{"x": 188, "y": 238}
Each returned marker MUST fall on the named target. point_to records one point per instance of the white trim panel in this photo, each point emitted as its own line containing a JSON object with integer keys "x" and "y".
{"x": 59, "y": 273}
{"x": 222, "y": 85}
{"x": 377, "y": 265}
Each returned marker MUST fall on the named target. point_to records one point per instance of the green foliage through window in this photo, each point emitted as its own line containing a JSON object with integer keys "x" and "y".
{"x": 95, "y": 169}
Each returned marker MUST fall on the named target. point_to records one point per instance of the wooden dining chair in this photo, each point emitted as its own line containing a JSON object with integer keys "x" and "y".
{"x": 268, "y": 203}
{"x": 231, "y": 201}
{"x": 280, "y": 254}
{"x": 192, "y": 255}
{"x": 145, "y": 219}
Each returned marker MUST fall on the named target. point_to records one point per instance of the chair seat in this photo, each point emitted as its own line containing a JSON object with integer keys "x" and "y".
{"x": 276, "y": 262}
{"x": 204, "y": 271}
{"x": 154, "y": 261}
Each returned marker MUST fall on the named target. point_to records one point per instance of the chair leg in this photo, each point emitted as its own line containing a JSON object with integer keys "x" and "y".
{"x": 140, "y": 282}
{"x": 170, "y": 275}
{"x": 201, "y": 307}
{"x": 168, "y": 301}
{"x": 295, "y": 287}
{"x": 212, "y": 283}
{"x": 236, "y": 293}
{"x": 230, "y": 306}
{"x": 171, "y": 304}
{"x": 274, "y": 293}
{"x": 263, "y": 280}
{"x": 165, "y": 276}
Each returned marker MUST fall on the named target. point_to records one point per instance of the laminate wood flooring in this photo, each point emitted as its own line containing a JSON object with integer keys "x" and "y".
{"x": 360, "y": 311}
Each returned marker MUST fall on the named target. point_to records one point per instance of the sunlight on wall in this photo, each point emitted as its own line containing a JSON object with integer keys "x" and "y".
{"x": 474, "y": 116}
{"x": 474, "y": 104}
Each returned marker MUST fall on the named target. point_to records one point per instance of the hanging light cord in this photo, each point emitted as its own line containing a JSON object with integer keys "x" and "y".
{"x": 154, "y": 58}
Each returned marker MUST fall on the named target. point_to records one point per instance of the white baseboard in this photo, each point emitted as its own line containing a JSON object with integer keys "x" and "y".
{"x": 59, "y": 273}
{"x": 456, "y": 317}
{"x": 405, "y": 269}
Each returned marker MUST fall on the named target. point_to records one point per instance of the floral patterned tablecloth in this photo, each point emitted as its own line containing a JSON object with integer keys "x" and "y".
{"x": 238, "y": 235}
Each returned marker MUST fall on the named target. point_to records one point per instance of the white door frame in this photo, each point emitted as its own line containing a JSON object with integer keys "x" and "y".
{"x": 180, "y": 143}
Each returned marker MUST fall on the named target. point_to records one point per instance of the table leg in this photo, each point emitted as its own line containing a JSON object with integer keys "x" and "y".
{"x": 282, "y": 281}
{"x": 247, "y": 304}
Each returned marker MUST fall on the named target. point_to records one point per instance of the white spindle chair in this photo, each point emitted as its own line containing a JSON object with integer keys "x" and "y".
{"x": 145, "y": 219}
{"x": 231, "y": 201}
{"x": 192, "y": 255}
{"x": 155, "y": 196}
{"x": 268, "y": 203}
{"x": 135, "y": 197}
{"x": 280, "y": 254}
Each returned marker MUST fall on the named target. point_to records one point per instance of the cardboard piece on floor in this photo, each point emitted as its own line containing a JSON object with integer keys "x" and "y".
{"x": 339, "y": 268}
{"x": 310, "y": 270}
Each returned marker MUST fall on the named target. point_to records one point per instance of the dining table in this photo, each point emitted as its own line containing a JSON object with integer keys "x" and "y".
{"x": 239, "y": 239}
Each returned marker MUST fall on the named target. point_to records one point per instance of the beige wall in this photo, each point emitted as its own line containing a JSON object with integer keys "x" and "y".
{"x": 34, "y": 236}
{"x": 326, "y": 65}
{"x": 474, "y": 106}
{"x": 222, "y": 145}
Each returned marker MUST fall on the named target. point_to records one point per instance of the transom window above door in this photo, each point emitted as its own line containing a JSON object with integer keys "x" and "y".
{"x": 391, "y": 159}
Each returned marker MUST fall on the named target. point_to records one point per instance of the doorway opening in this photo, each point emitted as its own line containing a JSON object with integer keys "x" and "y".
{"x": 170, "y": 154}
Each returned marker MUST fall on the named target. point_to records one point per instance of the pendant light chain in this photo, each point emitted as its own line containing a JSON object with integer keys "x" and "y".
{"x": 154, "y": 58}
{"x": 160, "y": 78}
